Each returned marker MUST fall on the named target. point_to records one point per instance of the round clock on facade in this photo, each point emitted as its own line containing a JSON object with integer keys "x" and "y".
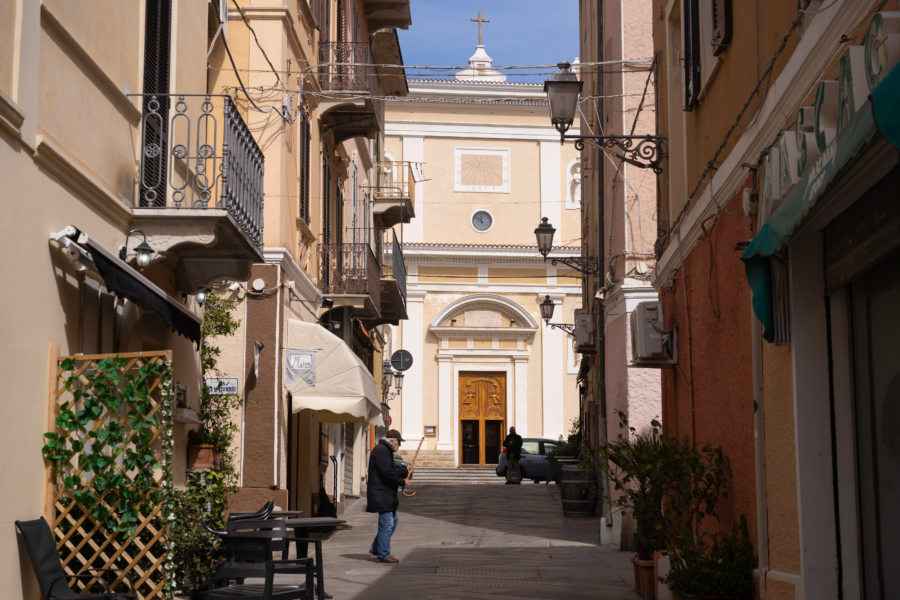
{"x": 482, "y": 220}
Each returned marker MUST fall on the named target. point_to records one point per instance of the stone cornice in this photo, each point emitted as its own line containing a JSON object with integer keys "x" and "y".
{"x": 303, "y": 285}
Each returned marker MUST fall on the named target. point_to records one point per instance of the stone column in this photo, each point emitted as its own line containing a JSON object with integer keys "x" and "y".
{"x": 445, "y": 402}
{"x": 413, "y": 334}
{"x": 520, "y": 375}
{"x": 553, "y": 368}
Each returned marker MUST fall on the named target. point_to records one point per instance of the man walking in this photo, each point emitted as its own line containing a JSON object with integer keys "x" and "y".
{"x": 385, "y": 477}
{"x": 513, "y": 445}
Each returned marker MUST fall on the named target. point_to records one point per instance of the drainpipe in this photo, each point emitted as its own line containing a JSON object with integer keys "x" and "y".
{"x": 759, "y": 450}
{"x": 601, "y": 346}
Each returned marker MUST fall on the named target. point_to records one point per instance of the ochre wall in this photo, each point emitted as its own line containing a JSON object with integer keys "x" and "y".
{"x": 708, "y": 395}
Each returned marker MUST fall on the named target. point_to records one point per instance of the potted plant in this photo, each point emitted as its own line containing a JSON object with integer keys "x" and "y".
{"x": 566, "y": 452}
{"x": 209, "y": 445}
{"x": 194, "y": 550}
{"x": 642, "y": 467}
{"x": 705, "y": 565}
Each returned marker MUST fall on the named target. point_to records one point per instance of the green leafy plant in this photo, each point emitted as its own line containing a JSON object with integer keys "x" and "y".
{"x": 216, "y": 425}
{"x": 719, "y": 565}
{"x": 194, "y": 551}
{"x": 643, "y": 467}
{"x": 105, "y": 461}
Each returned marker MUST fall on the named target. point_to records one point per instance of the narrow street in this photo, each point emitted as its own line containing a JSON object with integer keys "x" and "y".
{"x": 478, "y": 541}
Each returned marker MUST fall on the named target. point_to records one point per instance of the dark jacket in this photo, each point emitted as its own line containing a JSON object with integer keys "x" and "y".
{"x": 385, "y": 478}
{"x": 513, "y": 445}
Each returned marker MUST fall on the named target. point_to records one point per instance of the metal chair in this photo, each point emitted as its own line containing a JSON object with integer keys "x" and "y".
{"x": 262, "y": 513}
{"x": 251, "y": 548}
{"x": 53, "y": 580}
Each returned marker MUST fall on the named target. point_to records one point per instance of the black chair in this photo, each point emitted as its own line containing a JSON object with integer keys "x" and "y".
{"x": 262, "y": 513}
{"x": 251, "y": 549}
{"x": 53, "y": 580}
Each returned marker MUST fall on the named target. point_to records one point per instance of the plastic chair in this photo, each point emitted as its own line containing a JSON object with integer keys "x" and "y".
{"x": 52, "y": 579}
{"x": 262, "y": 513}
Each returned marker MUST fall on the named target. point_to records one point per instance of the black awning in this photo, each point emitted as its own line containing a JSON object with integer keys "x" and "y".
{"x": 124, "y": 281}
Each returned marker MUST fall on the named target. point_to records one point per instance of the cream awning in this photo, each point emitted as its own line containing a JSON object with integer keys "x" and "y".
{"x": 322, "y": 373}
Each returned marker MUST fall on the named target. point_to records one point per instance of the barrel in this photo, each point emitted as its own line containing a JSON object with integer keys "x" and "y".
{"x": 577, "y": 488}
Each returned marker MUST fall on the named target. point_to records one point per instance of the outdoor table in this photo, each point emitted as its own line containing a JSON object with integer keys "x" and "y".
{"x": 316, "y": 528}
{"x": 285, "y": 514}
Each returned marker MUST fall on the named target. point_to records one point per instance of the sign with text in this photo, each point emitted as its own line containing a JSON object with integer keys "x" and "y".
{"x": 300, "y": 363}
{"x": 219, "y": 386}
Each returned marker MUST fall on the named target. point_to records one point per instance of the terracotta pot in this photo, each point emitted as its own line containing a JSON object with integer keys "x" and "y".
{"x": 644, "y": 582}
{"x": 202, "y": 456}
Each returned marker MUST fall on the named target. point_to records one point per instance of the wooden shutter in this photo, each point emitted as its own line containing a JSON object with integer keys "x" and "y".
{"x": 157, "y": 33}
{"x": 721, "y": 25}
{"x": 304, "y": 166}
{"x": 690, "y": 19}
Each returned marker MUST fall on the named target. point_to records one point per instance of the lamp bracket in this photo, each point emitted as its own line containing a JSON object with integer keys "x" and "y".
{"x": 567, "y": 327}
{"x": 588, "y": 265}
{"x": 643, "y": 151}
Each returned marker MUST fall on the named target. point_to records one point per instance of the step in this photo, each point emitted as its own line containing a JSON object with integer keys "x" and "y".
{"x": 457, "y": 475}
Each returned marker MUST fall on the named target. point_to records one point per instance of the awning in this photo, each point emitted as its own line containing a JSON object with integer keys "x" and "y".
{"x": 879, "y": 114}
{"x": 322, "y": 373}
{"x": 124, "y": 281}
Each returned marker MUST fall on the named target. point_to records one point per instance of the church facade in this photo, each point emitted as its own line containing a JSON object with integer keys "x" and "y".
{"x": 487, "y": 166}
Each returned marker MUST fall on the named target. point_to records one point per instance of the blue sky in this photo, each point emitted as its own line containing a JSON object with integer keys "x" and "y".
{"x": 520, "y": 32}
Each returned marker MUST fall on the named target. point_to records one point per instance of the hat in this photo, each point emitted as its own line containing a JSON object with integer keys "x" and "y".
{"x": 393, "y": 433}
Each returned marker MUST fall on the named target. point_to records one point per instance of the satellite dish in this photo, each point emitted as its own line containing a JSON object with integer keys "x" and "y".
{"x": 401, "y": 360}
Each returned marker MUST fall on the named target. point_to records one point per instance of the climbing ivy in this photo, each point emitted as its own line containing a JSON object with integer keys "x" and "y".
{"x": 102, "y": 449}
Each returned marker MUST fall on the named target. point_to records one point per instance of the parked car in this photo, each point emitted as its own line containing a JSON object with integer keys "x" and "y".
{"x": 533, "y": 464}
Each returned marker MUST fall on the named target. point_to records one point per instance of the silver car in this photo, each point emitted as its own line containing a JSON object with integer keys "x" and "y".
{"x": 535, "y": 456}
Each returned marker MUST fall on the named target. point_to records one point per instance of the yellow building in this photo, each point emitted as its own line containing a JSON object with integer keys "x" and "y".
{"x": 491, "y": 168}
{"x": 185, "y": 127}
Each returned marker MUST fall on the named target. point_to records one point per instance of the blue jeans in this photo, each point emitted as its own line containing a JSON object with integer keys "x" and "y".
{"x": 387, "y": 524}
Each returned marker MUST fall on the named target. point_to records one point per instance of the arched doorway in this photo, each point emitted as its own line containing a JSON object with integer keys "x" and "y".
{"x": 482, "y": 416}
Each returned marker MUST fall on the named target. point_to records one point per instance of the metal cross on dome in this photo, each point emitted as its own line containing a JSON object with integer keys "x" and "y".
{"x": 480, "y": 21}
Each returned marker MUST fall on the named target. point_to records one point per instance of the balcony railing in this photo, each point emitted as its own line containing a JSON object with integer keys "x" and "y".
{"x": 197, "y": 153}
{"x": 349, "y": 269}
{"x": 347, "y": 67}
{"x": 394, "y": 266}
{"x": 396, "y": 180}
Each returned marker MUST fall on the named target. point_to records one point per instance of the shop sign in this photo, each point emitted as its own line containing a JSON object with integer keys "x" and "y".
{"x": 219, "y": 386}
{"x": 300, "y": 363}
{"x": 809, "y": 148}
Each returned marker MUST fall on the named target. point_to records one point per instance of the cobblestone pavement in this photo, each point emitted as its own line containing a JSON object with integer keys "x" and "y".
{"x": 472, "y": 542}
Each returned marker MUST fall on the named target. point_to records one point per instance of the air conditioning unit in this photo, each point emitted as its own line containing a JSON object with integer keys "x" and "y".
{"x": 584, "y": 332}
{"x": 651, "y": 344}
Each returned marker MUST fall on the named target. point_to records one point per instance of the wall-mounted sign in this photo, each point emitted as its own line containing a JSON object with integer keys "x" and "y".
{"x": 219, "y": 386}
{"x": 300, "y": 363}
{"x": 401, "y": 360}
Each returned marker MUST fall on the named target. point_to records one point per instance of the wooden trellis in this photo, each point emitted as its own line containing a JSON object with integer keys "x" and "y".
{"x": 82, "y": 540}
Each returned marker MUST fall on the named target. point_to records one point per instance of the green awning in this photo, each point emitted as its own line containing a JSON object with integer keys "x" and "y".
{"x": 878, "y": 114}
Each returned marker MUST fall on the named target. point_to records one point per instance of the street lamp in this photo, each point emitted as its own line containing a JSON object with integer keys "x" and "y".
{"x": 143, "y": 252}
{"x": 562, "y": 89}
{"x": 589, "y": 265}
{"x": 387, "y": 375}
{"x": 547, "y": 307}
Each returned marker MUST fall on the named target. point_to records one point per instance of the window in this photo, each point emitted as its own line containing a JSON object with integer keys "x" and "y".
{"x": 304, "y": 166}
{"x": 550, "y": 447}
{"x": 707, "y": 33}
{"x": 530, "y": 448}
{"x": 157, "y": 34}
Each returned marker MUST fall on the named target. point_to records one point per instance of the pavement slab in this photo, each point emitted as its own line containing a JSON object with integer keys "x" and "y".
{"x": 478, "y": 542}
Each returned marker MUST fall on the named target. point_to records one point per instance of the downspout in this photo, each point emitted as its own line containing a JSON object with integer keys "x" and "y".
{"x": 759, "y": 452}
{"x": 601, "y": 345}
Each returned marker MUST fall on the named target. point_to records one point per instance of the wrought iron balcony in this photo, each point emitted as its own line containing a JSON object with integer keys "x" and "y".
{"x": 201, "y": 186}
{"x": 347, "y": 73}
{"x": 395, "y": 192}
{"x": 349, "y": 274}
{"x": 393, "y": 280}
